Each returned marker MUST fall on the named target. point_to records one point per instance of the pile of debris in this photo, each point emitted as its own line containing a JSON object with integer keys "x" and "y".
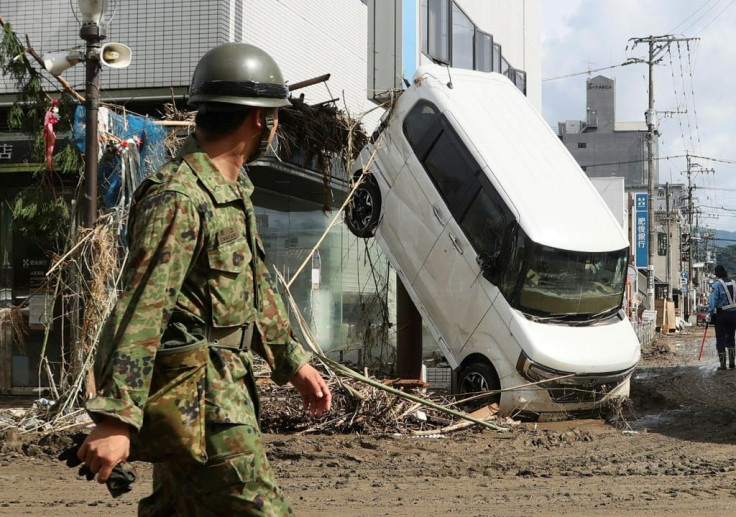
{"x": 42, "y": 417}
{"x": 357, "y": 408}
{"x": 364, "y": 409}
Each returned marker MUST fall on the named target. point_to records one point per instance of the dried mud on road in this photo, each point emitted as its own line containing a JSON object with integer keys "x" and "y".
{"x": 673, "y": 453}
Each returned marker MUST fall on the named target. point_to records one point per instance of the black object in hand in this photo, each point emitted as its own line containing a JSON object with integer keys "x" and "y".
{"x": 122, "y": 477}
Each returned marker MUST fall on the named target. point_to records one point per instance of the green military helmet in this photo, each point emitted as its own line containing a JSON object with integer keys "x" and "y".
{"x": 238, "y": 73}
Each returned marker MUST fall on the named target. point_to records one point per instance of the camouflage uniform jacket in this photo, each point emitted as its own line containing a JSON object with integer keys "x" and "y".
{"x": 193, "y": 249}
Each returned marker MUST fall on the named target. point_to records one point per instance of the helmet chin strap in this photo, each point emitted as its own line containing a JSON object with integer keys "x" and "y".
{"x": 269, "y": 131}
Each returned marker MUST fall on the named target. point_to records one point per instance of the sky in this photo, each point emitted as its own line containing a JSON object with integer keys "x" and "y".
{"x": 698, "y": 78}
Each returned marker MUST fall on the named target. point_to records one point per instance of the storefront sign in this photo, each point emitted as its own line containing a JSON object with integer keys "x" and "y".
{"x": 642, "y": 230}
{"x": 15, "y": 151}
{"x": 6, "y": 151}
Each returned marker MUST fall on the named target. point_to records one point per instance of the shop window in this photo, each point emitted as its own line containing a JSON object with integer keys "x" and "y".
{"x": 463, "y": 31}
{"x": 483, "y": 51}
{"x": 505, "y": 67}
{"x": 349, "y": 292}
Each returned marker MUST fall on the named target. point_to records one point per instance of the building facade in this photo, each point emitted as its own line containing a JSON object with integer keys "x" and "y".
{"x": 344, "y": 289}
{"x": 603, "y": 146}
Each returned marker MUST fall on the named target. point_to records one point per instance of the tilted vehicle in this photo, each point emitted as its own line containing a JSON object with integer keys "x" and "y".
{"x": 509, "y": 253}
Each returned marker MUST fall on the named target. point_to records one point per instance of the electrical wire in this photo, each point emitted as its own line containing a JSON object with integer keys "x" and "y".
{"x": 692, "y": 91}
{"x": 714, "y": 19}
{"x": 684, "y": 88}
{"x": 718, "y": 160}
{"x": 583, "y": 73}
{"x": 684, "y": 31}
{"x": 683, "y": 22}
{"x": 633, "y": 161}
{"x": 677, "y": 100}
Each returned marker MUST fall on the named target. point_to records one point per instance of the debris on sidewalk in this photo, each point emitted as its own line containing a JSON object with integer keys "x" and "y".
{"x": 364, "y": 409}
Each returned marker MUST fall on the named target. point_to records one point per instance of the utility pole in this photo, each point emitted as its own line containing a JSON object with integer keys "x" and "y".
{"x": 690, "y": 237}
{"x": 690, "y": 211}
{"x": 657, "y": 46}
{"x": 669, "y": 239}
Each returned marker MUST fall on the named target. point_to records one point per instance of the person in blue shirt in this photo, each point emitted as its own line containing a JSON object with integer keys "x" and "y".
{"x": 722, "y": 312}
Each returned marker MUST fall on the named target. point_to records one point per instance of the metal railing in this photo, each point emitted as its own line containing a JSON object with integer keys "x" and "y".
{"x": 645, "y": 331}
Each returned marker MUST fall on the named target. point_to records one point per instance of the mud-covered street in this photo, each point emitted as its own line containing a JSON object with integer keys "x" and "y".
{"x": 673, "y": 454}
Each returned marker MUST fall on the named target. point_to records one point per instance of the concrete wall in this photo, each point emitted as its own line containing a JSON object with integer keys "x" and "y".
{"x": 307, "y": 39}
{"x": 611, "y": 154}
{"x": 612, "y": 192}
{"x": 167, "y": 38}
{"x": 311, "y": 38}
{"x": 601, "y": 104}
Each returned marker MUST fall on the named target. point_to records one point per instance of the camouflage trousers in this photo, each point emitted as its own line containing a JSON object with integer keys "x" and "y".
{"x": 237, "y": 480}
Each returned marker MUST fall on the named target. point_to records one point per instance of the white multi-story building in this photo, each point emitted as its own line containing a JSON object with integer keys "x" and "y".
{"x": 308, "y": 38}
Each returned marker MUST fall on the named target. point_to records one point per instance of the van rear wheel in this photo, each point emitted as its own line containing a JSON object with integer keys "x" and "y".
{"x": 364, "y": 209}
{"x": 476, "y": 378}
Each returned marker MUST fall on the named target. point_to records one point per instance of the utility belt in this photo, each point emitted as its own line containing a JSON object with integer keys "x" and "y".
{"x": 725, "y": 308}
{"x": 237, "y": 338}
{"x": 174, "y": 414}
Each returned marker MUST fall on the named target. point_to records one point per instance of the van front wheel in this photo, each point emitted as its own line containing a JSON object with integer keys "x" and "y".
{"x": 364, "y": 209}
{"x": 475, "y": 379}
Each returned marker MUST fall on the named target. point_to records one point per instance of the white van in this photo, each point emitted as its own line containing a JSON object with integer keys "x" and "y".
{"x": 510, "y": 254}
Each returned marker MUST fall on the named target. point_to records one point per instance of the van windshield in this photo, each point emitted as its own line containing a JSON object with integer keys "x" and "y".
{"x": 571, "y": 285}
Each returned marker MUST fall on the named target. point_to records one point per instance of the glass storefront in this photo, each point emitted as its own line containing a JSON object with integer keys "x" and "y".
{"x": 343, "y": 290}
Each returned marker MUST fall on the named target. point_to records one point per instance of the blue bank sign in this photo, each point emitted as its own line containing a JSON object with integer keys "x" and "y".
{"x": 642, "y": 230}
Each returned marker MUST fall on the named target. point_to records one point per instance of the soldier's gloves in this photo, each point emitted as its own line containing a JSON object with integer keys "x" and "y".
{"x": 707, "y": 318}
{"x": 121, "y": 478}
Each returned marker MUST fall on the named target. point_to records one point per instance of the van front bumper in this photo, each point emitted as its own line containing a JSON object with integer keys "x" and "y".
{"x": 571, "y": 387}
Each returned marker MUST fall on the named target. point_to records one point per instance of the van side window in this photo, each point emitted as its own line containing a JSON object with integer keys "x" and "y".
{"x": 513, "y": 257}
{"x": 484, "y": 224}
{"x": 416, "y": 123}
{"x": 452, "y": 169}
{"x": 445, "y": 158}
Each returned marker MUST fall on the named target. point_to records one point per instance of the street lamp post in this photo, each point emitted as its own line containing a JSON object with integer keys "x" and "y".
{"x": 93, "y": 33}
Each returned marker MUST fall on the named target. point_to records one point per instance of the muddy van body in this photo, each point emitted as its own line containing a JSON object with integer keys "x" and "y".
{"x": 509, "y": 253}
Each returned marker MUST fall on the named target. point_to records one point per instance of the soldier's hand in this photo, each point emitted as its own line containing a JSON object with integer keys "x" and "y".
{"x": 316, "y": 396}
{"x": 107, "y": 445}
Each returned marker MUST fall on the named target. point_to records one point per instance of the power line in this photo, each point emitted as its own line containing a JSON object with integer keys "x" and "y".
{"x": 718, "y": 208}
{"x": 714, "y": 19}
{"x": 583, "y": 73}
{"x": 701, "y": 17}
{"x": 684, "y": 93}
{"x": 719, "y": 160}
{"x": 692, "y": 90}
{"x": 674, "y": 86}
{"x": 633, "y": 161}
{"x": 726, "y": 189}
{"x": 683, "y": 22}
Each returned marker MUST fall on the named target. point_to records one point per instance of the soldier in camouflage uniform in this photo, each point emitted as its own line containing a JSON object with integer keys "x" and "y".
{"x": 196, "y": 273}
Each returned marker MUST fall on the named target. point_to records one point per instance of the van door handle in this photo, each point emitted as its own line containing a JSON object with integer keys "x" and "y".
{"x": 454, "y": 242}
{"x": 437, "y": 215}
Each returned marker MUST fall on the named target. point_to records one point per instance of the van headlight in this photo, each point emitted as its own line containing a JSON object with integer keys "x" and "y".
{"x": 538, "y": 373}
